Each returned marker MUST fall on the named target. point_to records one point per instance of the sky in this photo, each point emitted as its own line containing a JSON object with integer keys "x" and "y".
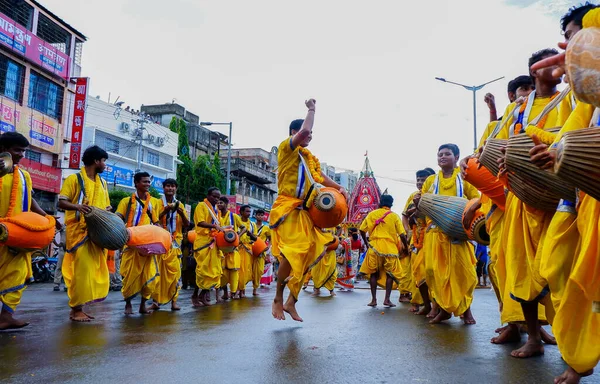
{"x": 371, "y": 66}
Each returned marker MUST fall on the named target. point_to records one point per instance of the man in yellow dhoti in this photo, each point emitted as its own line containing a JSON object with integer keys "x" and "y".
{"x": 450, "y": 264}
{"x": 324, "y": 273}
{"x": 84, "y": 265}
{"x": 173, "y": 218}
{"x": 248, "y": 261}
{"x": 231, "y": 262}
{"x": 208, "y": 257}
{"x": 264, "y": 232}
{"x": 573, "y": 281}
{"x": 415, "y": 225}
{"x": 296, "y": 240}
{"x": 15, "y": 197}
{"x": 139, "y": 272}
{"x": 386, "y": 241}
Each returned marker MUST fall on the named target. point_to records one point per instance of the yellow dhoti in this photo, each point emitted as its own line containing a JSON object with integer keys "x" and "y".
{"x": 86, "y": 274}
{"x": 139, "y": 274}
{"x": 494, "y": 225}
{"x": 245, "y": 266}
{"x": 379, "y": 260}
{"x": 208, "y": 265}
{"x": 450, "y": 271}
{"x": 231, "y": 270}
{"x": 167, "y": 284}
{"x": 15, "y": 270}
{"x": 406, "y": 283}
{"x": 258, "y": 268}
{"x": 324, "y": 274}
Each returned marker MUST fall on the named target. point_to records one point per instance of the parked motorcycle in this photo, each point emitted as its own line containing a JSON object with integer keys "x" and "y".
{"x": 43, "y": 269}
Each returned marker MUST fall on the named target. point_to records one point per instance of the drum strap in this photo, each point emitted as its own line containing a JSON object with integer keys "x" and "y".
{"x": 139, "y": 201}
{"x": 306, "y": 171}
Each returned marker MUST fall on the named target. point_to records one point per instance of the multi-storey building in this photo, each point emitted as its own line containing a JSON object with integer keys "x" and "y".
{"x": 39, "y": 54}
{"x": 346, "y": 179}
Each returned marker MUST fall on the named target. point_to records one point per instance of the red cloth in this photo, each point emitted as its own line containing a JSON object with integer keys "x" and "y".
{"x": 356, "y": 244}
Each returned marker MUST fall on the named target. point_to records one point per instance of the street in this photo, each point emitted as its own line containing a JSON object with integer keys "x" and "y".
{"x": 341, "y": 340}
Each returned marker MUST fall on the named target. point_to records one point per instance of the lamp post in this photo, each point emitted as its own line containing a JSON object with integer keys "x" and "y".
{"x": 474, "y": 89}
{"x": 208, "y": 124}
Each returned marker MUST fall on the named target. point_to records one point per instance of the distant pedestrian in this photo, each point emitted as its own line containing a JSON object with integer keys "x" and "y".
{"x": 60, "y": 243}
{"x": 481, "y": 253}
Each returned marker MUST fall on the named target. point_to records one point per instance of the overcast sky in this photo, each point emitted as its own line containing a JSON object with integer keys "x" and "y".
{"x": 370, "y": 66}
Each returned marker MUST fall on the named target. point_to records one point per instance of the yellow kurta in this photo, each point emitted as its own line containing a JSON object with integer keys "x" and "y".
{"x": 294, "y": 236}
{"x": 231, "y": 262}
{"x": 413, "y": 274}
{"x": 169, "y": 264}
{"x": 208, "y": 257}
{"x": 15, "y": 268}
{"x": 384, "y": 246}
{"x": 139, "y": 272}
{"x": 258, "y": 263}
{"x": 450, "y": 264}
{"x": 84, "y": 265}
{"x": 324, "y": 274}
{"x": 247, "y": 259}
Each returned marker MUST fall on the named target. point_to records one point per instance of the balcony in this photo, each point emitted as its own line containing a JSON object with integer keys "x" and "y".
{"x": 244, "y": 168}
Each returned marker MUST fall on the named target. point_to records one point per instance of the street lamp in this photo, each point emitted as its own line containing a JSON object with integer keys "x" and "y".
{"x": 208, "y": 124}
{"x": 474, "y": 89}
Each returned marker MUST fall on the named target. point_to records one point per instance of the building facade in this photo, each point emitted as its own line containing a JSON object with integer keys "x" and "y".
{"x": 120, "y": 133}
{"x": 39, "y": 54}
{"x": 347, "y": 179}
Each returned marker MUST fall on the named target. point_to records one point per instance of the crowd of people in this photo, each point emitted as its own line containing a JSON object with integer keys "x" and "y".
{"x": 542, "y": 264}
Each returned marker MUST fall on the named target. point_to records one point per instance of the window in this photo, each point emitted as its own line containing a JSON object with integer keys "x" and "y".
{"x": 111, "y": 145}
{"x": 54, "y": 34}
{"x": 11, "y": 79}
{"x": 45, "y": 96}
{"x": 19, "y": 11}
{"x": 153, "y": 158}
{"x": 33, "y": 156}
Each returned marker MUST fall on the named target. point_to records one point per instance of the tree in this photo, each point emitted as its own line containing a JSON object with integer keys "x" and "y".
{"x": 115, "y": 196}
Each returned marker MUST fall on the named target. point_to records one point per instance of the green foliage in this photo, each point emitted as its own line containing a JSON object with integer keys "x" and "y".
{"x": 154, "y": 192}
{"x": 115, "y": 196}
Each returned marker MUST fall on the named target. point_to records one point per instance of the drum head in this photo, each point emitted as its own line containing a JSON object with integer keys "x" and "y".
{"x": 325, "y": 201}
{"x": 229, "y": 236}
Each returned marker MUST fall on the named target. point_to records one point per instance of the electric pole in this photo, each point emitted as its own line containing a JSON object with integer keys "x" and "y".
{"x": 140, "y": 121}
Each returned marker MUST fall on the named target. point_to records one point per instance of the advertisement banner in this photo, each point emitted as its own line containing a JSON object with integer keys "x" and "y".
{"x": 41, "y": 131}
{"x": 117, "y": 175}
{"x": 43, "y": 177}
{"x": 81, "y": 91}
{"x": 157, "y": 183}
{"x": 26, "y": 44}
{"x": 233, "y": 207}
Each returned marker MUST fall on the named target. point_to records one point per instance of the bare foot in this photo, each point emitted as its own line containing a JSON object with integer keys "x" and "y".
{"x": 316, "y": 292}
{"x": 128, "y": 308}
{"x": 501, "y": 329}
{"x": 79, "y": 316}
{"x": 154, "y": 307}
{"x": 174, "y": 306}
{"x": 332, "y": 293}
{"x": 373, "y": 303}
{"x": 530, "y": 349}
{"x": 441, "y": 316}
{"x": 570, "y": 376}
{"x": 387, "y": 303}
{"x": 242, "y": 293}
{"x": 88, "y": 315}
{"x": 291, "y": 309}
{"x": 277, "y": 310}
{"x": 219, "y": 298}
{"x": 196, "y": 303}
{"x": 404, "y": 298}
{"x": 255, "y": 292}
{"x": 433, "y": 313}
{"x": 468, "y": 318}
{"x": 424, "y": 311}
{"x": 144, "y": 310}
{"x": 7, "y": 321}
{"x": 414, "y": 308}
{"x": 511, "y": 334}
{"x": 546, "y": 337}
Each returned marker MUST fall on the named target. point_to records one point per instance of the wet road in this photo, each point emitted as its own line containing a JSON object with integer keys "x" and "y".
{"x": 341, "y": 340}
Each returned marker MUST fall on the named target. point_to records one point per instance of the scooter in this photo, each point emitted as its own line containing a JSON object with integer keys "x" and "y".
{"x": 42, "y": 271}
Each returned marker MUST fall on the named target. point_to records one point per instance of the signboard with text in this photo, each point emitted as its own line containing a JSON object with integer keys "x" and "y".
{"x": 26, "y": 44}
{"x": 81, "y": 91}
{"x": 43, "y": 177}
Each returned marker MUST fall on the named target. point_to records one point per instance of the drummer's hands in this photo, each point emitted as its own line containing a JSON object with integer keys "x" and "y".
{"x": 502, "y": 162}
{"x": 557, "y": 60}
{"x": 83, "y": 208}
{"x": 469, "y": 213}
{"x": 417, "y": 199}
{"x": 540, "y": 155}
{"x": 57, "y": 224}
{"x": 463, "y": 166}
{"x": 344, "y": 193}
{"x": 520, "y": 100}
{"x": 310, "y": 104}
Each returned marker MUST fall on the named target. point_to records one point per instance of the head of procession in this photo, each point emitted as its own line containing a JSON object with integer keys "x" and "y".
{"x": 95, "y": 158}
{"x": 295, "y": 127}
{"x": 15, "y": 144}
{"x": 213, "y": 195}
{"x": 422, "y": 176}
{"x": 448, "y": 155}
{"x": 170, "y": 188}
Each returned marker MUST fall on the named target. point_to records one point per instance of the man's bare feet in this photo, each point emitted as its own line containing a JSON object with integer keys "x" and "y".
{"x": 144, "y": 310}
{"x": 255, "y": 292}
{"x": 570, "y": 376}
{"x": 79, "y": 316}
{"x": 441, "y": 316}
{"x": 128, "y": 308}
{"x": 316, "y": 292}
{"x": 88, "y": 315}
{"x": 196, "y": 303}
{"x": 174, "y": 306}
{"x": 277, "y": 309}
{"x": 501, "y": 329}
{"x": 546, "y": 337}
{"x": 468, "y": 318}
{"x": 7, "y": 321}
{"x": 414, "y": 308}
{"x": 290, "y": 307}
{"x": 242, "y": 293}
{"x": 219, "y": 298}
{"x": 510, "y": 334}
{"x": 332, "y": 293}
{"x": 404, "y": 298}
{"x": 530, "y": 349}
{"x": 387, "y": 303}
{"x": 154, "y": 307}
{"x": 423, "y": 311}
{"x": 433, "y": 313}
{"x": 373, "y": 303}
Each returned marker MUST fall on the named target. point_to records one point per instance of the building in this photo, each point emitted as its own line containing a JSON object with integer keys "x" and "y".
{"x": 39, "y": 54}
{"x": 202, "y": 141}
{"x": 118, "y": 131}
{"x": 346, "y": 179}
{"x": 253, "y": 176}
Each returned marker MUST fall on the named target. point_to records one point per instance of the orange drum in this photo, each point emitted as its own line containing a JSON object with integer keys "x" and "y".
{"x": 488, "y": 184}
{"x": 227, "y": 241}
{"x": 333, "y": 246}
{"x": 259, "y": 247}
{"x": 191, "y": 236}
{"x": 476, "y": 229}
{"x": 149, "y": 239}
{"x": 27, "y": 230}
{"x": 328, "y": 209}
